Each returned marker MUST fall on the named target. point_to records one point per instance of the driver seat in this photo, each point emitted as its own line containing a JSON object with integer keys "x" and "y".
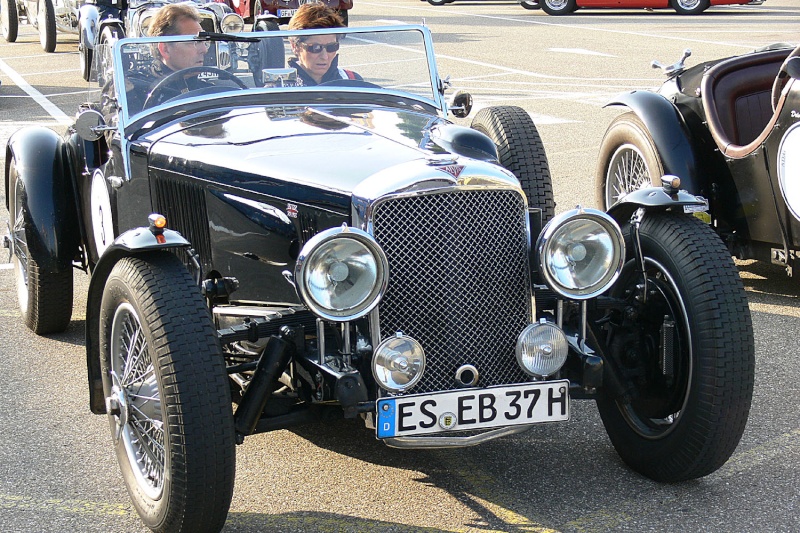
{"x": 737, "y": 98}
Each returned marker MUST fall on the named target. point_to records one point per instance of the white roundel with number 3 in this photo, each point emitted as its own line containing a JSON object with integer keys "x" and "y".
{"x": 789, "y": 169}
{"x": 102, "y": 221}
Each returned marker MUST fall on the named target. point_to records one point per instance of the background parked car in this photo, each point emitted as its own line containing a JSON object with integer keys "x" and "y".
{"x": 103, "y": 22}
{"x": 280, "y": 11}
{"x": 47, "y": 16}
{"x": 682, "y": 7}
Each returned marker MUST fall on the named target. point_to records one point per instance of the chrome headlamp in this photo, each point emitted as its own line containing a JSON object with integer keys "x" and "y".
{"x": 341, "y": 274}
{"x": 232, "y": 23}
{"x": 581, "y": 253}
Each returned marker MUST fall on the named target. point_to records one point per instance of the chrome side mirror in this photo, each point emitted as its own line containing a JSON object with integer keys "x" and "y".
{"x": 90, "y": 125}
{"x": 461, "y": 104}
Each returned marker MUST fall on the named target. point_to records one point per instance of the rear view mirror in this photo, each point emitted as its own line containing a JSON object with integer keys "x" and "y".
{"x": 90, "y": 125}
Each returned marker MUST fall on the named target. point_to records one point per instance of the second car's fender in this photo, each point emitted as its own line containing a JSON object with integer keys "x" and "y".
{"x": 664, "y": 125}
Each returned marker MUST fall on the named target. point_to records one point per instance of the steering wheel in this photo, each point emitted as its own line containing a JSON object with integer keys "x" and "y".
{"x": 176, "y": 83}
{"x": 782, "y": 78}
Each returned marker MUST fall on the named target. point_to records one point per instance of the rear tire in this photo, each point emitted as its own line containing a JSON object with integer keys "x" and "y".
{"x": 690, "y": 7}
{"x": 628, "y": 161}
{"x": 689, "y": 396}
{"x": 167, "y": 393}
{"x": 46, "y": 19}
{"x": 45, "y": 298}
{"x": 558, "y": 7}
{"x": 520, "y": 150}
{"x": 9, "y": 19}
{"x": 530, "y": 4}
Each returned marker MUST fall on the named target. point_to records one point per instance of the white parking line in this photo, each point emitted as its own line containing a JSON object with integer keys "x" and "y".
{"x": 38, "y": 97}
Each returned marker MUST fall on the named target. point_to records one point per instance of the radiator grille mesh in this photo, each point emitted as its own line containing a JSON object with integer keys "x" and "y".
{"x": 458, "y": 281}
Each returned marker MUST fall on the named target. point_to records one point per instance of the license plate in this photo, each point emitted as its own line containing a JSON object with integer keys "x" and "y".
{"x": 286, "y": 13}
{"x": 528, "y": 403}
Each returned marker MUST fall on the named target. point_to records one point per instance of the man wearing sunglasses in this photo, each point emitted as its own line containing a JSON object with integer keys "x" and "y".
{"x": 316, "y": 57}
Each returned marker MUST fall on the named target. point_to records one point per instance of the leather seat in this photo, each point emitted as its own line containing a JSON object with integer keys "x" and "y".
{"x": 737, "y": 97}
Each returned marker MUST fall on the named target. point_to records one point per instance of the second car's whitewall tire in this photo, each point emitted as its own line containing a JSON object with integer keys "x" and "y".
{"x": 628, "y": 160}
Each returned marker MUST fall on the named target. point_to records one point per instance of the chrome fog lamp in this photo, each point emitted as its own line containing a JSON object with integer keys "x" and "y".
{"x": 341, "y": 274}
{"x": 581, "y": 253}
{"x": 398, "y": 363}
{"x": 232, "y": 23}
{"x": 542, "y": 349}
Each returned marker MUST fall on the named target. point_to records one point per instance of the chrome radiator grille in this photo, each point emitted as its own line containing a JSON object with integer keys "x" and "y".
{"x": 458, "y": 281}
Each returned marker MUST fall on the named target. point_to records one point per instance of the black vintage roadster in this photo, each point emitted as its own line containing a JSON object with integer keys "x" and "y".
{"x": 345, "y": 247}
{"x": 730, "y": 130}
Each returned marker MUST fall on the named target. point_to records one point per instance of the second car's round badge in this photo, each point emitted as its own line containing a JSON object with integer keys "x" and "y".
{"x": 102, "y": 221}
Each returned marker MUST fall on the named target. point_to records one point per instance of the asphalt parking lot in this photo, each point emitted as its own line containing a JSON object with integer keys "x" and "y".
{"x": 58, "y": 472}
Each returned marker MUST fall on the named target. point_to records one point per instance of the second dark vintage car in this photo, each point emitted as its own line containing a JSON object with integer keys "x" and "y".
{"x": 730, "y": 129}
{"x": 345, "y": 248}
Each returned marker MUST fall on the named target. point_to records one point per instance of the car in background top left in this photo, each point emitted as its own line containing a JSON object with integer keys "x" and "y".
{"x": 103, "y": 22}
{"x": 46, "y": 15}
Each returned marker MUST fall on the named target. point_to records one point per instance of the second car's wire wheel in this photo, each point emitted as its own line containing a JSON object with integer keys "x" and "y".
{"x": 135, "y": 401}
{"x": 626, "y": 172}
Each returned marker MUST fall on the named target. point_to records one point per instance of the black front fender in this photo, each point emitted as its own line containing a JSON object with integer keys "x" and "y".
{"x": 666, "y": 127}
{"x": 133, "y": 242}
{"x": 44, "y": 186}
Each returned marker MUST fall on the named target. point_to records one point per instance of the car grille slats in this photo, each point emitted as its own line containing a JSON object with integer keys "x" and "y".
{"x": 184, "y": 206}
{"x": 458, "y": 281}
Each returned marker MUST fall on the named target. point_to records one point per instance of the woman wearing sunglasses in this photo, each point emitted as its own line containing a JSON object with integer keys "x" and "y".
{"x": 316, "y": 57}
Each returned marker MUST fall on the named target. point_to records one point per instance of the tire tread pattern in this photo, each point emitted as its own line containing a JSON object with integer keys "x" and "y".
{"x": 722, "y": 389}
{"x": 520, "y": 150}
{"x": 195, "y": 392}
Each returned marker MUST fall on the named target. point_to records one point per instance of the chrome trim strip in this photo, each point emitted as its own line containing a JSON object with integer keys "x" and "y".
{"x": 454, "y": 441}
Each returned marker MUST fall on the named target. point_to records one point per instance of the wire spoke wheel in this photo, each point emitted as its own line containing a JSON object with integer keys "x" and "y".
{"x": 627, "y": 172}
{"x": 140, "y": 422}
{"x": 166, "y": 395}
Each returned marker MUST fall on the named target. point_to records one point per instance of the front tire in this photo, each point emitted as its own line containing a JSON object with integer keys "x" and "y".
{"x": 45, "y": 298}
{"x": 690, "y": 7}
{"x": 520, "y": 149}
{"x": 530, "y": 4}
{"x": 685, "y": 350}
{"x": 9, "y": 20}
{"x": 47, "y": 25}
{"x": 558, "y": 7}
{"x": 167, "y": 395}
{"x": 628, "y": 161}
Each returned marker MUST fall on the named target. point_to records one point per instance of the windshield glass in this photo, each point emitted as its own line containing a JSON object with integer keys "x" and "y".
{"x": 153, "y": 72}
